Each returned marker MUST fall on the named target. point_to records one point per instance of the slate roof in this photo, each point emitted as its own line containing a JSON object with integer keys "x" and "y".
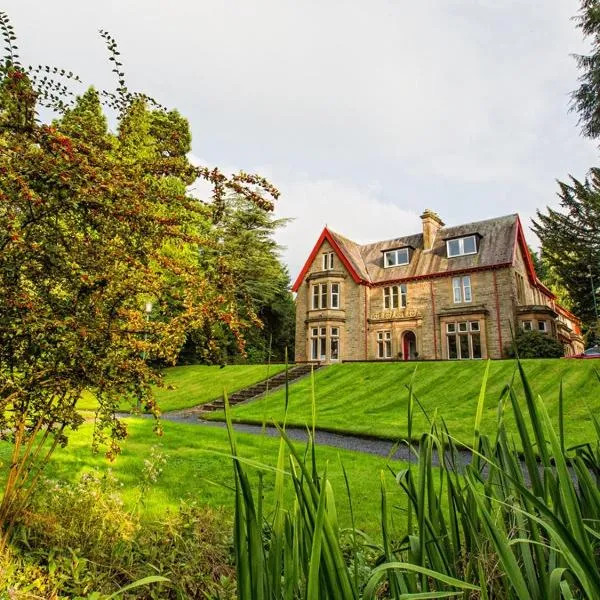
{"x": 497, "y": 238}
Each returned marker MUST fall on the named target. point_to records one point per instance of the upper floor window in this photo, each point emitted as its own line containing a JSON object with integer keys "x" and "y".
{"x": 520, "y": 288}
{"x": 461, "y": 288}
{"x": 394, "y": 258}
{"x": 395, "y": 296}
{"x": 319, "y": 295}
{"x": 327, "y": 261}
{"x": 335, "y": 295}
{"x": 461, "y": 246}
{"x": 326, "y": 295}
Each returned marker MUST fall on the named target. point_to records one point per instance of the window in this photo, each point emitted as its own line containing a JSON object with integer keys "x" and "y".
{"x": 327, "y": 261}
{"x": 461, "y": 246}
{"x": 461, "y": 288}
{"x": 542, "y": 326}
{"x": 318, "y": 343}
{"x": 384, "y": 344}
{"x": 334, "y": 343}
{"x": 526, "y": 325}
{"x": 395, "y": 296}
{"x": 394, "y": 258}
{"x": 335, "y": 295}
{"x": 319, "y": 297}
{"x": 520, "y": 288}
{"x": 463, "y": 340}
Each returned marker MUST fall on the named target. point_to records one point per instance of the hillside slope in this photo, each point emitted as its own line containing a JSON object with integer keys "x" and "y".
{"x": 372, "y": 398}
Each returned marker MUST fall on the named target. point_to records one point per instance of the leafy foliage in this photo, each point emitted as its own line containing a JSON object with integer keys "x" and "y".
{"x": 93, "y": 226}
{"x": 493, "y": 525}
{"x": 250, "y": 257}
{"x": 78, "y": 541}
{"x": 534, "y": 344}
{"x": 571, "y": 241}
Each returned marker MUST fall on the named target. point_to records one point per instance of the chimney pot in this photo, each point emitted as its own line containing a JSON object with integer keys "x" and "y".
{"x": 432, "y": 223}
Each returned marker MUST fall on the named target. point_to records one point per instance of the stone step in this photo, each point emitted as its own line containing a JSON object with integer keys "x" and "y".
{"x": 260, "y": 388}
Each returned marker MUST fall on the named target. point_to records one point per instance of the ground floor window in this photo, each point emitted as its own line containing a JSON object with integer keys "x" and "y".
{"x": 334, "y": 343}
{"x": 527, "y": 325}
{"x": 320, "y": 341}
{"x": 384, "y": 344}
{"x": 463, "y": 339}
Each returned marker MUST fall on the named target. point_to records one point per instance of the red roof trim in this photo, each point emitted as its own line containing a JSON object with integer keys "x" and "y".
{"x": 442, "y": 274}
{"x": 326, "y": 235}
{"x": 520, "y": 239}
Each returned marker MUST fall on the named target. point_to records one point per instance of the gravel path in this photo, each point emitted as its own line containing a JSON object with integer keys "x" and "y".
{"x": 324, "y": 438}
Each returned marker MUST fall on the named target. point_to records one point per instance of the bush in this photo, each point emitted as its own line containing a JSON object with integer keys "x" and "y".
{"x": 77, "y": 540}
{"x": 534, "y": 344}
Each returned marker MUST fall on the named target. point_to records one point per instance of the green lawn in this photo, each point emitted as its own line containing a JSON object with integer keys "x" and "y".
{"x": 198, "y": 468}
{"x": 197, "y": 384}
{"x": 371, "y": 398}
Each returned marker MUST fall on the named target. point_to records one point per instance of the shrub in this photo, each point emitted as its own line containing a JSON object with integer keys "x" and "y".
{"x": 534, "y": 344}
{"x": 77, "y": 539}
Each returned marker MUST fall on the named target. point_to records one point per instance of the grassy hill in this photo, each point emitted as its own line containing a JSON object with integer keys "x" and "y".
{"x": 198, "y": 384}
{"x": 371, "y": 398}
{"x": 198, "y": 469}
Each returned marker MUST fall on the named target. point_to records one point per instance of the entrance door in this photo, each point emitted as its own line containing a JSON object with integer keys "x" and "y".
{"x": 409, "y": 345}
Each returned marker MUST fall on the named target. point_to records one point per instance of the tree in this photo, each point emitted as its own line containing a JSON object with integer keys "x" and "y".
{"x": 571, "y": 237}
{"x": 550, "y": 278}
{"x": 93, "y": 225}
{"x": 251, "y": 258}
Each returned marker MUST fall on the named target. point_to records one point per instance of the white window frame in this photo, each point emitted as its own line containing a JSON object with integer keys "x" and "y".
{"x": 529, "y": 323}
{"x": 320, "y": 342}
{"x": 461, "y": 246}
{"x": 384, "y": 344}
{"x": 327, "y": 261}
{"x": 319, "y": 296}
{"x": 462, "y": 291}
{"x": 334, "y": 337}
{"x": 543, "y": 329}
{"x": 388, "y": 254}
{"x": 463, "y": 328}
{"x": 395, "y": 296}
{"x": 334, "y": 298}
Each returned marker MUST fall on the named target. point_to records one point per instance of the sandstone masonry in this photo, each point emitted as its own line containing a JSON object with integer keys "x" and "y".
{"x": 445, "y": 293}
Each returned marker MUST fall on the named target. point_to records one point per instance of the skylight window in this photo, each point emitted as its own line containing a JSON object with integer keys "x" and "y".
{"x": 395, "y": 258}
{"x": 462, "y": 246}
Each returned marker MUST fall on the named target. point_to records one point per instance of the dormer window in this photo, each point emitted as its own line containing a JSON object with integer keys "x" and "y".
{"x": 461, "y": 246}
{"x": 327, "y": 261}
{"x": 395, "y": 258}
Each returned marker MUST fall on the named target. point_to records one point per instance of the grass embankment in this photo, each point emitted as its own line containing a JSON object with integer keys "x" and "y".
{"x": 371, "y": 398}
{"x": 197, "y": 384}
{"x": 199, "y": 468}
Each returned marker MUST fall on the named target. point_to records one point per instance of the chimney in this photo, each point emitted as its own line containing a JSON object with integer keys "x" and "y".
{"x": 431, "y": 225}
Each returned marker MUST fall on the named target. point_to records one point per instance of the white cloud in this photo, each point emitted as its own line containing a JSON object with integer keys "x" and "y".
{"x": 458, "y": 105}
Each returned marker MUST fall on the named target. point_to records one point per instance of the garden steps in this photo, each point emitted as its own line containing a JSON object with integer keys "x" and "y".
{"x": 250, "y": 393}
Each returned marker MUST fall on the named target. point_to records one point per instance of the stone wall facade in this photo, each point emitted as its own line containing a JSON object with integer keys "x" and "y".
{"x": 340, "y": 318}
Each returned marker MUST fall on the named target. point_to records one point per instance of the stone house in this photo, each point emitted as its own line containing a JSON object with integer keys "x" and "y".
{"x": 445, "y": 293}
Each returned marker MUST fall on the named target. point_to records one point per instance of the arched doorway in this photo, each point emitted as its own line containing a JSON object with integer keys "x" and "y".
{"x": 409, "y": 345}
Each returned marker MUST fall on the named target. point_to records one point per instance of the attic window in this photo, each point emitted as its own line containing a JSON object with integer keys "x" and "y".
{"x": 395, "y": 258}
{"x": 461, "y": 246}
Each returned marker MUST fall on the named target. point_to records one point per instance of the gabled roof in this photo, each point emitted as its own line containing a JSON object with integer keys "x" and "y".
{"x": 346, "y": 252}
{"x": 499, "y": 239}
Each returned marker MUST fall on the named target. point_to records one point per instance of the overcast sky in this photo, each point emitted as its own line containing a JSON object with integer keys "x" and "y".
{"x": 363, "y": 113}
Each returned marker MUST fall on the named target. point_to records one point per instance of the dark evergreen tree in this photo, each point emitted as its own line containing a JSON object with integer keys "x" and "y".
{"x": 571, "y": 241}
{"x": 571, "y": 236}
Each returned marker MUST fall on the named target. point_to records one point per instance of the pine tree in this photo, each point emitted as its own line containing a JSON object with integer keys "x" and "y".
{"x": 571, "y": 241}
